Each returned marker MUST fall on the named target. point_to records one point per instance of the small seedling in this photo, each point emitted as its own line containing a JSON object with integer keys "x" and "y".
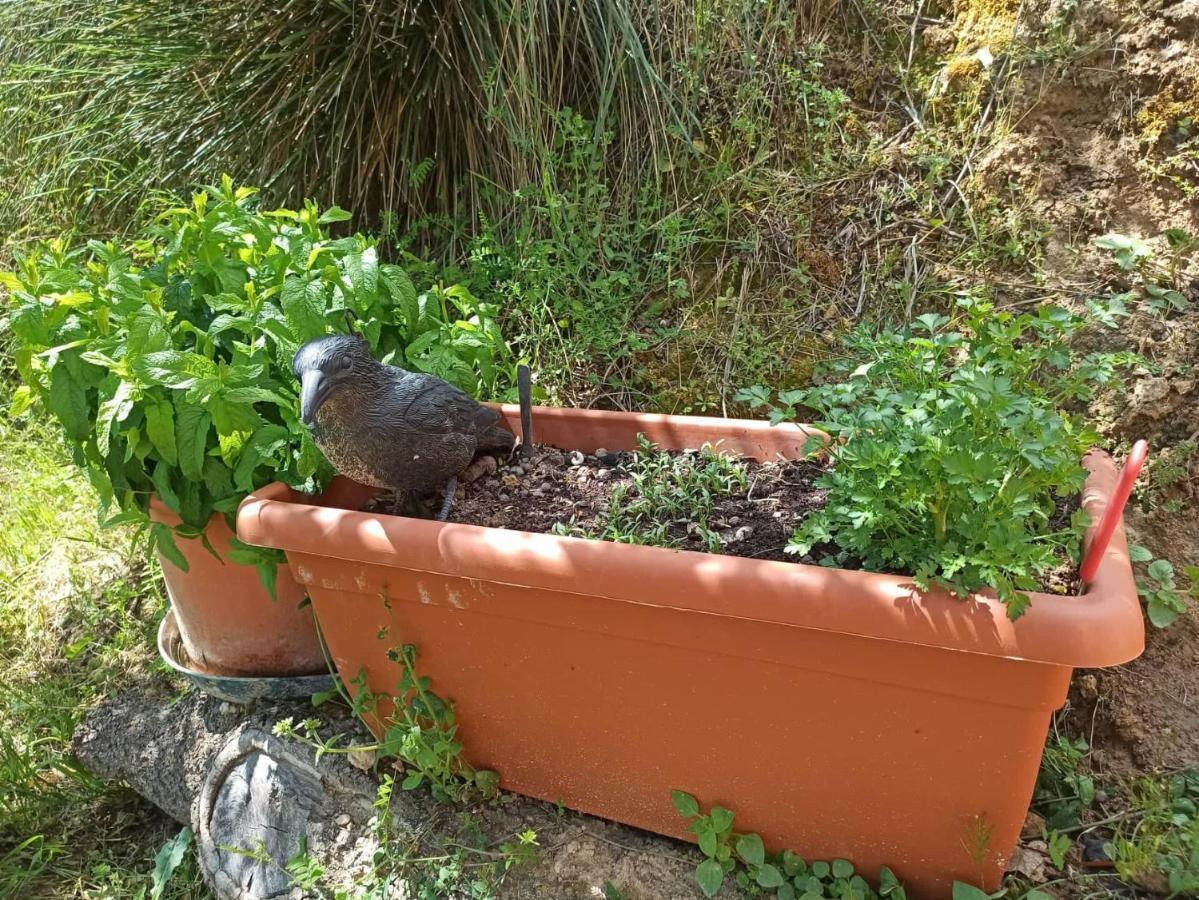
{"x": 421, "y": 730}
{"x": 977, "y": 841}
{"x": 1063, "y": 790}
{"x": 1157, "y": 283}
{"x": 1129, "y": 252}
{"x": 1163, "y": 601}
{"x": 1159, "y": 843}
{"x": 1057, "y": 845}
{"x": 743, "y": 857}
{"x": 671, "y": 496}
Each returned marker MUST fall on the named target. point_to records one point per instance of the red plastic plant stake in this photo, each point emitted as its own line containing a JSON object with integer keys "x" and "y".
{"x": 1115, "y": 509}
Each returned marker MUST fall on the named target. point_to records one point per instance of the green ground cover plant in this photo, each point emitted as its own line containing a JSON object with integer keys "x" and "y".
{"x": 669, "y": 491}
{"x": 1156, "y": 281}
{"x": 420, "y": 730}
{"x": 1165, "y": 600}
{"x": 786, "y": 876}
{"x": 951, "y": 448}
{"x": 167, "y": 361}
{"x": 1158, "y": 846}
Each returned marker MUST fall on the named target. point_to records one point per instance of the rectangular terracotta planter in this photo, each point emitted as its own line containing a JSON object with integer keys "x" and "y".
{"x": 838, "y": 713}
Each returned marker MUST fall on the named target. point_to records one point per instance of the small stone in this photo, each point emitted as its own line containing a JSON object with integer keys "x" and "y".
{"x": 517, "y": 470}
{"x": 343, "y": 820}
{"x": 502, "y": 496}
{"x": 577, "y": 457}
{"x": 546, "y": 486}
{"x": 480, "y": 468}
{"x": 603, "y": 474}
{"x": 734, "y": 520}
{"x": 1088, "y": 686}
{"x": 742, "y": 533}
{"x": 1093, "y": 850}
{"x": 556, "y": 460}
{"x": 601, "y": 452}
{"x": 362, "y": 758}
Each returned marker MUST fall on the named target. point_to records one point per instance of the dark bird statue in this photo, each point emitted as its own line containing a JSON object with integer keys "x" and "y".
{"x": 390, "y": 428}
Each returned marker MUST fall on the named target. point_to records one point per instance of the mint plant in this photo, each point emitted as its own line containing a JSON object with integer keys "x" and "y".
{"x": 950, "y": 449}
{"x": 785, "y": 875}
{"x": 168, "y": 361}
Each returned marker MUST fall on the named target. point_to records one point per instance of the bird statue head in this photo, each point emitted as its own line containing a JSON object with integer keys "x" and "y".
{"x": 326, "y": 363}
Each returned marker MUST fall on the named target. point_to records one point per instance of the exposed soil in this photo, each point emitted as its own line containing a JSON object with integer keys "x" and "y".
{"x": 569, "y": 492}
{"x": 1096, "y": 144}
{"x": 557, "y": 488}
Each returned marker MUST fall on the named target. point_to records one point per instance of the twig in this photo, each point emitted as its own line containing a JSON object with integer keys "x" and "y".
{"x": 1083, "y": 829}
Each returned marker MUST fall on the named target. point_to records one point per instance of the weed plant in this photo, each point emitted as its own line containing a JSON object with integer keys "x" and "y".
{"x": 420, "y": 731}
{"x": 671, "y": 497}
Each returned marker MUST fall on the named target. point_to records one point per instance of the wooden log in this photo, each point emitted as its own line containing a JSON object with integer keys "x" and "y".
{"x": 255, "y": 800}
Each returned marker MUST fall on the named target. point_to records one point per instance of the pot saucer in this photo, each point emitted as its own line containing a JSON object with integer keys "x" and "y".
{"x": 235, "y": 689}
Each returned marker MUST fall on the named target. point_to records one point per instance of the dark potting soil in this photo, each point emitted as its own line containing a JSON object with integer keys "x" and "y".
{"x": 559, "y": 488}
{"x": 556, "y": 488}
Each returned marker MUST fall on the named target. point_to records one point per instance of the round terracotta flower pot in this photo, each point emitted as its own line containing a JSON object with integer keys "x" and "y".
{"x": 227, "y": 621}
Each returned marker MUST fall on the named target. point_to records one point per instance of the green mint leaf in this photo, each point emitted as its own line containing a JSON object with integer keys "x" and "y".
{"x": 304, "y": 307}
{"x": 68, "y": 402}
{"x": 176, "y": 369}
{"x": 164, "y": 541}
{"x": 191, "y": 437}
{"x": 160, "y": 429}
{"x": 334, "y": 214}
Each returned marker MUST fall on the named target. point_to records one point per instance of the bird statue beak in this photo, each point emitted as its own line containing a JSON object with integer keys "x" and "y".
{"x": 314, "y": 391}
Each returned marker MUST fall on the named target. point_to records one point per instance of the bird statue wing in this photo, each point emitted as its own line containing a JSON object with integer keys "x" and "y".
{"x": 426, "y": 404}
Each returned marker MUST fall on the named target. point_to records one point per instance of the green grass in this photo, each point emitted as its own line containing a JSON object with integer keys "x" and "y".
{"x": 77, "y": 612}
{"x": 385, "y": 104}
{"x": 670, "y": 199}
